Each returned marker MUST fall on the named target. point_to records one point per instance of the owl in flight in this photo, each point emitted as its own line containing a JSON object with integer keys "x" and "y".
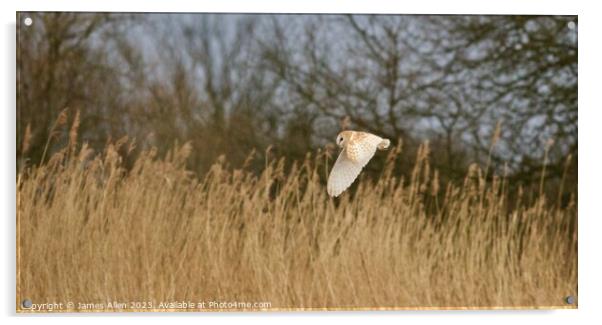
{"x": 358, "y": 149}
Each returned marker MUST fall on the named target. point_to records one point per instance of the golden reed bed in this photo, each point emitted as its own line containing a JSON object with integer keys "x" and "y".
{"x": 95, "y": 237}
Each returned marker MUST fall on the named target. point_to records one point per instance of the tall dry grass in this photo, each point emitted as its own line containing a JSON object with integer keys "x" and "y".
{"x": 90, "y": 232}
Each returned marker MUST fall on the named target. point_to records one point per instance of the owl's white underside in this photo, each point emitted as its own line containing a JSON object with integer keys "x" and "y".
{"x": 356, "y": 153}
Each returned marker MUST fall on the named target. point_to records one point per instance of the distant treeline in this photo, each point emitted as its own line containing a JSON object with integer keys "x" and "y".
{"x": 231, "y": 84}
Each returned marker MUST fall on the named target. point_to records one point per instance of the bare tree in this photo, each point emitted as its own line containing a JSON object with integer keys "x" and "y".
{"x": 62, "y": 64}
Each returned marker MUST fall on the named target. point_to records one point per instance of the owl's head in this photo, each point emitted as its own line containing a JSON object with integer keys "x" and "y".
{"x": 342, "y": 138}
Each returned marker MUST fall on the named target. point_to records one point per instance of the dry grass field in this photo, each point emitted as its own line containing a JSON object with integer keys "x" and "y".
{"x": 90, "y": 232}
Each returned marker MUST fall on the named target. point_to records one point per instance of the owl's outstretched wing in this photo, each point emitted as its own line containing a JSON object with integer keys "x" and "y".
{"x": 361, "y": 147}
{"x": 348, "y": 166}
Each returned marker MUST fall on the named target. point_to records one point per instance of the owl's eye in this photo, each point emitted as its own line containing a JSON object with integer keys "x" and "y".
{"x": 339, "y": 140}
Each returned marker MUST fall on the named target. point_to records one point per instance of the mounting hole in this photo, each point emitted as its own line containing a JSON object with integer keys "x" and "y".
{"x": 27, "y": 21}
{"x": 26, "y": 303}
{"x": 571, "y": 25}
{"x": 569, "y": 300}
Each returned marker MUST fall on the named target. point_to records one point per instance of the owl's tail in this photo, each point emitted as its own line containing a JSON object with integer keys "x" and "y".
{"x": 384, "y": 144}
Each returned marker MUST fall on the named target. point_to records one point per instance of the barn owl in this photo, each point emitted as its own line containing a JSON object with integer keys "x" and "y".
{"x": 358, "y": 149}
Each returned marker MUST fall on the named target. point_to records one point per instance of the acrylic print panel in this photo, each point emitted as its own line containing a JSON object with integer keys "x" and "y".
{"x": 203, "y": 162}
